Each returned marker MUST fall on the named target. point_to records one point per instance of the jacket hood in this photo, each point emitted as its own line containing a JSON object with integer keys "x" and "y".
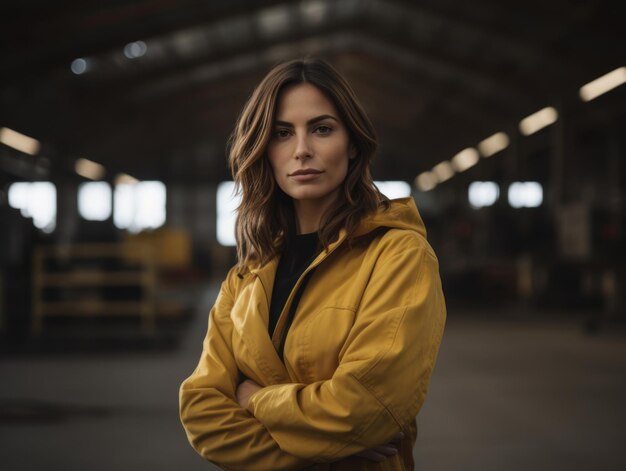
{"x": 401, "y": 214}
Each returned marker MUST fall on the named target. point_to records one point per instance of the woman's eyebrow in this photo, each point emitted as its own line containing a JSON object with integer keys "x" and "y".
{"x": 309, "y": 122}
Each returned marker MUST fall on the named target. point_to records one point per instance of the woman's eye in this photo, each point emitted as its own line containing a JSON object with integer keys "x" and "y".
{"x": 281, "y": 133}
{"x": 323, "y": 130}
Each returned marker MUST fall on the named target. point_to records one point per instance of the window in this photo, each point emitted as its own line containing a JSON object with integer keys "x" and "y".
{"x": 394, "y": 189}
{"x": 227, "y": 202}
{"x": 483, "y": 194}
{"x": 139, "y": 206}
{"x": 94, "y": 201}
{"x": 525, "y": 194}
{"x": 37, "y": 200}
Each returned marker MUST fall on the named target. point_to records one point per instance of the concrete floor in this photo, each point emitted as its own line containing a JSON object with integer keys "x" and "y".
{"x": 507, "y": 394}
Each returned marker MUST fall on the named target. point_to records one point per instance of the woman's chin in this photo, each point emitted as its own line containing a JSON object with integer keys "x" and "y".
{"x": 313, "y": 197}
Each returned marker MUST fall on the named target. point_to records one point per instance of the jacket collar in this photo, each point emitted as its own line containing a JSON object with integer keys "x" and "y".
{"x": 267, "y": 272}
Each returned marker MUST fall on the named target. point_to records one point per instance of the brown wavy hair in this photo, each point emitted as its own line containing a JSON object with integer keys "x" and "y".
{"x": 266, "y": 217}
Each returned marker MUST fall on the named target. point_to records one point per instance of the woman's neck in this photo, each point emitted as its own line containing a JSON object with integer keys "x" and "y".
{"x": 309, "y": 213}
{"x": 307, "y": 217}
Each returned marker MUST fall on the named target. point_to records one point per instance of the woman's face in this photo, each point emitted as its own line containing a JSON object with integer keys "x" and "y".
{"x": 310, "y": 147}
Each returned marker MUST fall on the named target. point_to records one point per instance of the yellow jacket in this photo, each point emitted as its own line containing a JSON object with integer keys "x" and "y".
{"x": 357, "y": 358}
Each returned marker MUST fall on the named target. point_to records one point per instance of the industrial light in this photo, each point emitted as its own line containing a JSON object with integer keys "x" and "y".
{"x": 273, "y": 20}
{"x": 603, "y": 84}
{"x": 89, "y": 169}
{"x": 493, "y": 144}
{"x": 525, "y": 194}
{"x": 314, "y": 11}
{"x": 426, "y": 181}
{"x": 465, "y": 159}
{"x": 482, "y": 194}
{"x": 539, "y": 120}
{"x": 94, "y": 201}
{"x": 443, "y": 171}
{"x": 79, "y": 66}
{"x": 19, "y": 141}
{"x": 135, "y": 49}
{"x": 394, "y": 189}
{"x": 125, "y": 179}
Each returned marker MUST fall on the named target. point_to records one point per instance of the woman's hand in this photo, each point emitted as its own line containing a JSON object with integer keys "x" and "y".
{"x": 246, "y": 389}
{"x": 382, "y": 452}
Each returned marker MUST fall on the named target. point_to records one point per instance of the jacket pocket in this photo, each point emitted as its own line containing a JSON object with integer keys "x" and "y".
{"x": 313, "y": 347}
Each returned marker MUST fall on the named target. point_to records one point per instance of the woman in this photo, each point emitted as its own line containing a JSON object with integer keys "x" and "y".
{"x": 322, "y": 339}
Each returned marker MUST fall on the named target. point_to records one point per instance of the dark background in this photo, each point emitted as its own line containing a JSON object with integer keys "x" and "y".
{"x": 532, "y": 370}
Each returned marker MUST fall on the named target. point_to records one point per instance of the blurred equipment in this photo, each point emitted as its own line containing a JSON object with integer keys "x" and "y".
{"x": 71, "y": 280}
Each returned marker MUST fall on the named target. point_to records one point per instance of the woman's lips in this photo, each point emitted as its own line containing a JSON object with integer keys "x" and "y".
{"x": 305, "y": 175}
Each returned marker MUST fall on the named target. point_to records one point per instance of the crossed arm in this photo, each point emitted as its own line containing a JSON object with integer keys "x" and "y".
{"x": 218, "y": 428}
{"x": 377, "y": 453}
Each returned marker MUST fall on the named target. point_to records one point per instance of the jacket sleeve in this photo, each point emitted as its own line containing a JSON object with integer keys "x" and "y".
{"x": 216, "y": 426}
{"x": 383, "y": 374}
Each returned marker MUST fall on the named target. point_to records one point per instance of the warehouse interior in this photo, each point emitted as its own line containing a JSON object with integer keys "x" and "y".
{"x": 505, "y": 122}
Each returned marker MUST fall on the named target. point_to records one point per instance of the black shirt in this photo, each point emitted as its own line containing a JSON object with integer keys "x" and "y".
{"x": 295, "y": 258}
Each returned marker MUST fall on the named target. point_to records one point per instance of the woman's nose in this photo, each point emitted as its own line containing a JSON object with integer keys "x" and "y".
{"x": 303, "y": 148}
